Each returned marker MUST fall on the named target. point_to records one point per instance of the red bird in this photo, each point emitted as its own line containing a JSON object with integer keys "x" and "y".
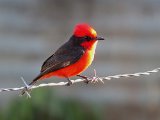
{"x": 72, "y": 58}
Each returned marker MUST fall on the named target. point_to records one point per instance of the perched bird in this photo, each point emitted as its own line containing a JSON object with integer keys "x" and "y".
{"x": 73, "y": 57}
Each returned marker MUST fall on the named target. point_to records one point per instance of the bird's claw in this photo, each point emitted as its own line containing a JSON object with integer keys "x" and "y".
{"x": 86, "y": 80}
{"x": 69, "y": 83}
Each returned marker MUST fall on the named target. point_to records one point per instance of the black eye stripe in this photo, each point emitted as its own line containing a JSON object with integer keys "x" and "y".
{"x": 87, "y": 38}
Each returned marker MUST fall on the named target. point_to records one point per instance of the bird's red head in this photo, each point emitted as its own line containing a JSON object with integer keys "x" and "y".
{"x": 88, "y": 35}
{"x": 84, "y": 29}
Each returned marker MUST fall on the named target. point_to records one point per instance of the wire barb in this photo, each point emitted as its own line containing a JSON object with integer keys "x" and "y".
{"x": 96, "y": 79}
{"x": 27, "y": 87}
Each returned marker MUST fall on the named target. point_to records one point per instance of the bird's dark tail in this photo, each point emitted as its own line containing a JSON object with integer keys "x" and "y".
{"x": 30, "y": 84}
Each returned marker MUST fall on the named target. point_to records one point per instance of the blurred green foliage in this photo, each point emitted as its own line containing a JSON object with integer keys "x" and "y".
{"x": 45, "y": 105}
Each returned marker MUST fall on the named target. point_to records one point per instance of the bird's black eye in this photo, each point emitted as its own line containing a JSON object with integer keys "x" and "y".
{"x": 87, "y": 38}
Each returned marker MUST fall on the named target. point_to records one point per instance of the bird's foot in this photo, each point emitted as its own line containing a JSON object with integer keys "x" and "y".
{"x": 96, "y": 79}
{"x": 86, "y": 79}
{"x": 69, "y": 82}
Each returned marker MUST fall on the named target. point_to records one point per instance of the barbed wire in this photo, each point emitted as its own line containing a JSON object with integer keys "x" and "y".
{"x": 92, "y": 80}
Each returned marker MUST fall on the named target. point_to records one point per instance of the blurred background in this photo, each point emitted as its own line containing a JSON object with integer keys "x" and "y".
{"x": 31, "y": 30}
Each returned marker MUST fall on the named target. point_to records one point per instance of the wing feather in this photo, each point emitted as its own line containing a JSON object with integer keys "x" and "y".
{"x": 62, "y": 58}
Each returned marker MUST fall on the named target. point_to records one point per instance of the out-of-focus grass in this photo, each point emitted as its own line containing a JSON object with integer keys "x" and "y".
{"x": 44, "y": 105}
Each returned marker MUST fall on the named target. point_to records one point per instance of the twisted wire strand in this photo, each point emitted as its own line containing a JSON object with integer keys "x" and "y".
{"x": 93, "y": 80}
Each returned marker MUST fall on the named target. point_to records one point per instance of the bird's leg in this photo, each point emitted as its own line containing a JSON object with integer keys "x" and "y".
{"x": 84, "y": 77}
{"x": 69, "y": 82}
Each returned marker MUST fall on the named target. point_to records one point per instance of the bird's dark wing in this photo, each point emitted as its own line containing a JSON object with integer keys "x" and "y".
{"x": 63, "y": 57}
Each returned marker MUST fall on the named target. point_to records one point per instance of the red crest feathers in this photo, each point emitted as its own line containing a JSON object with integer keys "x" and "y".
{"x": 84, "y": 29}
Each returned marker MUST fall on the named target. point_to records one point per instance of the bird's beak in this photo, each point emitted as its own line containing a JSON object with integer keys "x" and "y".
{"x": 99, "y": 38}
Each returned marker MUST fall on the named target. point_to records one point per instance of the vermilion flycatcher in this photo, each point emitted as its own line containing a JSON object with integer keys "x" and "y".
{"x": 73, "y": 57}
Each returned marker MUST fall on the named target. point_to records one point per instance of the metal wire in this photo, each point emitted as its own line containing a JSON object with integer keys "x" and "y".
{"x": 92, "y": 80}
